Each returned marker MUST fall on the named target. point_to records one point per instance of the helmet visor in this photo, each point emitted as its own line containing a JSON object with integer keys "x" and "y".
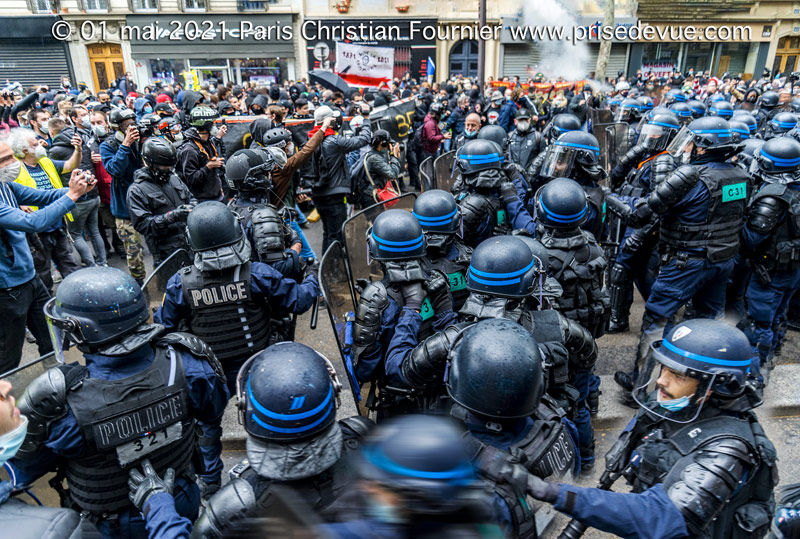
{"x": 624, "y": 114}
{"x": 654, "y": 137}
{"x": 670, "y": 390}
{"x": 559, "y": 161}
{"x": 60, "y": 330}
{"x": 681, "y": 141}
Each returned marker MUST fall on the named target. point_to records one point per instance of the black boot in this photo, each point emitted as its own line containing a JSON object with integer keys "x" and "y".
{"x": 617, "y": 324}
{"x": 625, "y": 380}
{"x": 593, "y": 402}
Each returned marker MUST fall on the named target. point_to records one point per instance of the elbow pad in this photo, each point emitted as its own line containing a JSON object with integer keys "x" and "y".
{"x": 425, "y": 363}
{"x": 268, "y": 234}
{"x": 580, "y": 343}
{"x": 43, "y": 402}
{"x": 662, "y": 167}
{"x": 765, "y": 214}
{"x": 673, "y": 189}
{"x": 228, "y": 507}
{"x": 369, "y": 317}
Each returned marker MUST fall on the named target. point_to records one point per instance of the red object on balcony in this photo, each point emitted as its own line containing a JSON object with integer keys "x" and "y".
{"x": 402, "y": 9}
{"x": 343, "y": 6}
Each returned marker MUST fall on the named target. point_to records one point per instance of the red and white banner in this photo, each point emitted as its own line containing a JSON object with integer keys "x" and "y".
{"x": 660, "y": 69}
{"x": 362, "y": 66}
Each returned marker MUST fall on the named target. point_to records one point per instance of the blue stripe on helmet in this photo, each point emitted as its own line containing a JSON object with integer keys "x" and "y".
{"x": 482, "y": 159}
{"x": 780, "y": 161}
{"x": 722, "y": 112}
{"x": 682, "y": 113}
{"x": 437, "y": 220}
{"x": 401, "y": 249}
{"x": 378, "y": 458}
{"x": 504, "y": 282}
{"x": 720, "y": 132}
{"x": 284, "y": 430}
{"x": 740, "y": 131}
{"x": 698, "y": 110}
{"x": 288, "y": 417}
{"x": 697, "y": 357}
{"x": 663, "y": 124}
{"x": 595, "y": 149}
{"x": 785, "y": 125}
{"x": 563, "y": 218}
{"x": 501, "y": 275}
{"x": 397, "y": 243}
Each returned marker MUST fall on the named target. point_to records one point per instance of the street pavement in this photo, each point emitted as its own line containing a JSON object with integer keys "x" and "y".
{"x": 780, "y": 414}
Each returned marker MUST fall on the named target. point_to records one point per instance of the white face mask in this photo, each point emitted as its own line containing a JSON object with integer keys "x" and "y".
{"x": 99, "y": 130}
{"x": 9, "y": 174}
{"x": 43, "y": 127}
{"x": 523, "y": 126}
{"x": 86, "y": 122}
{"x": 40, "y": 152}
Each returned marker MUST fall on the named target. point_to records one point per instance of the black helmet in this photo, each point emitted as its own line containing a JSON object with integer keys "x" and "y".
{"x": 437, "y": 212}
{"x": 713, "y": 352}
{"x": 781, "y": 123}
{"x": 561, "y": 203}
{"x": 94, "y": 307}
{"x": 249, "y": 171}
{"x": 647, "y": 103}
{"x": 561, "y": 124}
{"x": 211, "y": 225}
{"x": 502, "y": 266}
{"x": 768, "y": 100}
{"x": 712, "y": 133}
{"x": 658, "y": 131}
{"x": 721, "y": 108}
{"x": 570, "y": 148}
{"x": 746, "y": 117}
{"x": 496, "y": 134}
{"x": 277, "y": 136}
{"x": 496, "y": 370}
{"x": 698, "y": 108}
{"x": 287, "y": 392}
{"x": 740, "y": 130}
{"x": 674, "y": 96}
{"x": 478, "y": 155}
{"x": 436, "y": 109}
{"x": 629, "y": 109}
{"x": 682, "y": 111}
{"x": 381, "y": 136}
{"x": 117, "y": 116}
{"x": 395, "y": 235}
{"x": 422, "y": 457}
{"x": 778, "y": 155}
{"x": 750, "y": 148}
{"x": 202, "y": 117}
{"x": 160, "y": 157}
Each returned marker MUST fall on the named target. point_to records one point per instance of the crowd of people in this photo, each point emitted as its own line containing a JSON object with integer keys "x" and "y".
{"x": 476, "y": 348}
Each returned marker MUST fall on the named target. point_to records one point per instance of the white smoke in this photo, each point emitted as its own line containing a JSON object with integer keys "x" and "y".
{"x": 558, "y": 58}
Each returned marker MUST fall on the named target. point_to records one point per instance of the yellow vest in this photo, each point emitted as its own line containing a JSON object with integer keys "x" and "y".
{"x": 25, "y": 178}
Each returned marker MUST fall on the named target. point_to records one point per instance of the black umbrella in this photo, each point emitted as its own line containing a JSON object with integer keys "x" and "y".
{"x": 329, "y": 80}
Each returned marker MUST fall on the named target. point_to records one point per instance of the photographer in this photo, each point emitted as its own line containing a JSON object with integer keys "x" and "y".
{"x": 200, "y": 163}
{"x": 382, "y": 163}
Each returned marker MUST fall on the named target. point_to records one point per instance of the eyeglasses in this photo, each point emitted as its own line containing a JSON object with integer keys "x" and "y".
{"x": 6, "y": 395}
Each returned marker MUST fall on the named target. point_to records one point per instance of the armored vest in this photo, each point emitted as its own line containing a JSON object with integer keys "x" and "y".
{"x": 718, "y": 233}
{"x": 782, "y": 249}
{"x": 223, "y": 312}
{"x": 523, "y": 149}
{"x": 123, "y": 421}
{"x": 597, "y": 199}
{"x": 456, "y": 271}
{"x": 483, "y": 216}
{"x": 268, "y": 232}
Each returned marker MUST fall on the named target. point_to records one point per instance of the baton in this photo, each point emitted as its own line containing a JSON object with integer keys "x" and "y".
{"x": 315, "y": 308}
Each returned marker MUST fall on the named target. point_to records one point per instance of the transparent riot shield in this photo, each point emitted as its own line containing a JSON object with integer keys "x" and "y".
{"x": 23, "y": 375}
{"x": 155, "y": 285}
{"x": 426, "y": 177}
{"x": 597, "y": 119}
{"x": 354, "y": 231}
{"x": 445, "y": 171}
{"x": 340, "y": 304}
{"x": 613, "y": 144}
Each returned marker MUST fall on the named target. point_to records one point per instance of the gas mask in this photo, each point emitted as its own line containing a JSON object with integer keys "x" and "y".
{"x": 523, "y": 126}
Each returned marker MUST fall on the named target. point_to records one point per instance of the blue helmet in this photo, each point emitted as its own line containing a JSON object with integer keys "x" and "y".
{"x": 682, "y": 111}
{"x": 647, "y": 103}
{"x": 740, "y": 130}
{"x": 698, "y": 108}
{"x": 674, "y": 96}
{"x": 781, "y": 123}
{"x": 502, "y": 266}
{"x": 477, "y": 155}
{"x": 778, "y": 155}
{"x": 561, "y": 203}
{"x": 721, "y": 108}
{"x": 746, "y": 117}
{"x": 396, "y": 235}
{"x": 437, "y": 212}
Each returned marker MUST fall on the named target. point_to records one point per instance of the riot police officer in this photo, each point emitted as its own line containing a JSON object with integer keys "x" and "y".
{"x": 139, "y": 395}
{"x": 696, "y": 456}
{"x": 439, "y": 217}
{"x": 158, "y": 201}
{"x": 748, "y": 118}
{"x": 524, "y": 142}
{"x": 224, "y": 298}
{"x": 767, "y": 108}
{"x": 780, "y": 124}
{"x": 683, "y": 112}
{"x": 287, "y": 396}
{"x": 702, "y": 208}
{"x": 723, "y": 109}
{"x": 698, "y": 108}
{"x": 771, "y": 238}
{"x": 496, "y": 380}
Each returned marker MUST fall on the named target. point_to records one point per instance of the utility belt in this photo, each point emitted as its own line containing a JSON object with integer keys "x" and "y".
{"x": 681, "y": 258}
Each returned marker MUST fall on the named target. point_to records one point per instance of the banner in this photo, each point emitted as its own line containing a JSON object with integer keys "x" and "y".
{"x": 660, "y": 69}
{"x": 543, "y": 86}
{"x": 364, "y": 66}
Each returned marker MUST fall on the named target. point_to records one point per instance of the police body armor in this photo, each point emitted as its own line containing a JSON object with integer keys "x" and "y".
{"x": 22, "y": 521}
{"x": 596, "y": 197}
{"x": 719, "y": 233}
{"x": 701, "y": 462}
{"x": 523, "y": 149}
{"x": 223, "y": 312}
{"x": 483, "y": 216}
{"x": 781, "y": 252}
{"x": 269, "y": 234}
{"x": 578, "y": 264}
{"x": 456, "y": 271}
{"x": 123, "y": 421}
{"x": 248, "y": 494}
{"x": 163, "y": 198}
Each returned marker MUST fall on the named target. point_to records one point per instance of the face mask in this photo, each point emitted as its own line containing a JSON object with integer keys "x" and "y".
{"x": 119, "y": 135}
{"x": 148, "y": 110}
{"x": 40, "y": 152}
{"x": 9, "y": 174}
{"x": 673, "y": 405}
{"x": 523, "y": 127}
{"x": 10, "y": 442}
{"x": 99, "y": 130}
{"x": 384, "y": 513}
{"x": 86, "y": 122}
{"x": 214, "y": 131}
{"x": 470, "y": 134}
{"x": 43, "y": 127}
{"x": 177, "y": 136}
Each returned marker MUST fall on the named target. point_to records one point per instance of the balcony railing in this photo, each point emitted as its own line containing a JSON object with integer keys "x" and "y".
{"x": 254, "y": 5}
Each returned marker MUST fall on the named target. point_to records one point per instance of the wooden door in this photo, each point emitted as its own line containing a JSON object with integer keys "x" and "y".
{"x": 107, "y": 64}
{"x": 724, "y": 64}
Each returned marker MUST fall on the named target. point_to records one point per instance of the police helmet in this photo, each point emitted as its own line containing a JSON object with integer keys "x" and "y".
{"x": 286, "y": 393}
{"x": 437, "y": 212}
{"x": 613, "y": 102}
{"x": 381, "y": 136}
{"x": 781, "y": 123}
{"x": 561, "y": 203}
{"x": 740, "y": 130}
{"x": 629, "y": 109}
{"x": 647, "y": 103}
{"x": 547, "y": 287}
{"x": 94, "y": 307}
{"x": 395, "y": 235}
{"x": 477, "y": 155}
{"x": 682, "y": 111}
{"x": 249, "y": 171}
{"x": 769, "y": 100}
{"x": 746, "y": 117}
{"x": 277, "y": 136}
{"x": 502, "y": 266}
{"x": 711, "y": 133}
{"x": 160, "y": 157}
{"x": 778, "y": 155}
{"x": 698, "y": 108}
{"x": 202, "y": 117}
{"x": 496, "y": 134}
{"x": 424, "y": 458}
{"x": 658, "y": 110}
{"x": 117, "y": 116}
{"x": 750, "y": 148}
{"x": 570, "y": 148}
{"x": 212, "y": 225}
{"x": 496, "y": 370}
{"x": 562, "y": 123}
{"x": 658, "y": 131}
{"x": 675, "y": 95}
{"x": 795, "y": 105}
{"x": 721, "y": 108}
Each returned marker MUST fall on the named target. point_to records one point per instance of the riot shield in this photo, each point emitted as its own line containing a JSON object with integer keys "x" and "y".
{"x": 354, "y": 231}
{"x": 155, "y": 285}
{"x": 613, "y": 144}
{"x": 426, "y": 177}
{"x": 445, "y": 172}
{"x": 285, "y": 514}
{"x": 340, "y": 303}
{"x": 597, "y": 118}
{"x": 23, "y": 375}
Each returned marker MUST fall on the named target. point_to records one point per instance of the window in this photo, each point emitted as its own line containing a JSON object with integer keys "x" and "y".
{"x": 95, "y": 5}
{"x": 194, "y": 5}
{"x": 464, "y": 58}
{"x": 43, "y": 6}
{"x": 144, "y": 5}
{"x": 254, "y": 5}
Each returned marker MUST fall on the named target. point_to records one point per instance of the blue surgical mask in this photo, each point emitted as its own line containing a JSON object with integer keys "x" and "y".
{"x": 674, "y": 405}
{"x": 470, "y": 134}
{"x": 10, "y": 442}
{"x": 148, "y": 110}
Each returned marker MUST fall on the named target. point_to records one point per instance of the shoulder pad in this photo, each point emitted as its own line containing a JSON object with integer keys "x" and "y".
{"x": 228, "y": 507}
{"x": 369, "y": 314}
{"x": 194, "y": 345}
{"x": 43, "y": 402}
{"x": 356, "y": 426}
{"x": 375, "y": 294}
{"x": 771, "y": 189}
{"x": 464, "y": 253}
{"x": 765, "y": 212}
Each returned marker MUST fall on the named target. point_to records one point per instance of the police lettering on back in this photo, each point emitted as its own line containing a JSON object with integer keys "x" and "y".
{"x": 219, "y": 294}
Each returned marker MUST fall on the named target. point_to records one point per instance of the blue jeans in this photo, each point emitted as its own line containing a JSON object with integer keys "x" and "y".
{"x": 582, "y": 381}
{"x": 306, "y": 251}
{"x": 85, "y": 219}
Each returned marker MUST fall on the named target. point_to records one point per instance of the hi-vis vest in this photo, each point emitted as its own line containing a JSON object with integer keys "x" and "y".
{"x": 25, "y": 178}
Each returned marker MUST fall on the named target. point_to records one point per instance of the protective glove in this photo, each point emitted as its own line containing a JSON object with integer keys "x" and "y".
{"x": 311, "y": 269}
{"x": 413, "y": 295}
{"x": 633, "y": 243}
{"x": 633, "y": 157}
{"x": 179, "y": 214}
{"x": 508, "y": 192}
{"x": 144, "y": 486}
{"x": 641, "y": 214}
{"x": 542, "y": 490}
{"x": 439, "y": 292}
